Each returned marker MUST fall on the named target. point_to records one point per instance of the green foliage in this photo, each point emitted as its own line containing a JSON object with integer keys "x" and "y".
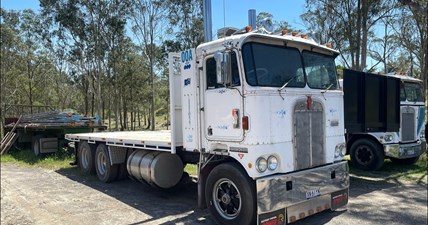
{"x": 398, "y": 173}
{"x": 25, "y": 157}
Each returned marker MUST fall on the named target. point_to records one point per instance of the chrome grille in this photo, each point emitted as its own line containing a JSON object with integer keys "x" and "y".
{"x": 308, "y": 135}
{"x": 408, "y": 129}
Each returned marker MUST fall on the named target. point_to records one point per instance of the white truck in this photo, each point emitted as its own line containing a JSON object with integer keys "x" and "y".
{"x": 384, "y": 118}
{"x": 261, "y": 116}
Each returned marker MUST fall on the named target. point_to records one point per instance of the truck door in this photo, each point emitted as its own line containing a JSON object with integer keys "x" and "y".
{"x": 223, "y": 109}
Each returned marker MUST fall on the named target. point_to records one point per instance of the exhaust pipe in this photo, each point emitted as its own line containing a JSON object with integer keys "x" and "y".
{"x": 252, "y": 18}
{"x": 208, "y": 36}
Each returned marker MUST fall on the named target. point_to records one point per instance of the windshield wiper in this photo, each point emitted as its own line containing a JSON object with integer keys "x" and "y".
{"x": 328, "y": 88}
{"x": 286, "y": 83}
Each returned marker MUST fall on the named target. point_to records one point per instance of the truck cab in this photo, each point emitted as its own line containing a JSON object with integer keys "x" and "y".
{"x": 268, "y": 108}
{"x": 401, "y": 115}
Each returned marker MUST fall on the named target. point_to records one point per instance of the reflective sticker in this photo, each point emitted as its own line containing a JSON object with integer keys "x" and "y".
{"x": 273, "y": 218}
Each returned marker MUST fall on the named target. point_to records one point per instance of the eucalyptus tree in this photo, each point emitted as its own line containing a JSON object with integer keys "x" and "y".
{"x": 91, "y": 30}
{"x": 349, "y": 24}
{"x": 148, "y": 27}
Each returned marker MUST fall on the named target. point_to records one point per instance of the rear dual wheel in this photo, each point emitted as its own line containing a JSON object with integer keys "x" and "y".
{"x": 85, "y": 157}
{"x": 105, "y": 171}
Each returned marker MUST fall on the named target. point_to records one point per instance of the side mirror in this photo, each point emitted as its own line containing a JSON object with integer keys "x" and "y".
{"x": 223, "y": 68}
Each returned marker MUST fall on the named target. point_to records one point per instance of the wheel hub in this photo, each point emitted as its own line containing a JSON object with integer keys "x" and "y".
{"x": 364, "y": 155}
{"x": 225, "y": 199}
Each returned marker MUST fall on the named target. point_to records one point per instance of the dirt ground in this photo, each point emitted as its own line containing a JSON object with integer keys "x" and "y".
{"x": 40, "y": 196}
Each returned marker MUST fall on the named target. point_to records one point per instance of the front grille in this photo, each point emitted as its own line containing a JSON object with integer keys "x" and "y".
{"x": 308, "y": 135}
{"x": 408, "y": 129}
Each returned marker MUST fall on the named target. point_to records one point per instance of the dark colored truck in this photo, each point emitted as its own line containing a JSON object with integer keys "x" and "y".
{"x": 45, "y": 131}
{"x": 384, "y": 118}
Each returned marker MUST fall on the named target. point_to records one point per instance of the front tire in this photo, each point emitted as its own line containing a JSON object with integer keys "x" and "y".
{"x": 86, "y": 154}
{"x": 105, "y": 171}
{"x": 230, "y": 195}
{"x": 367, "y": 155}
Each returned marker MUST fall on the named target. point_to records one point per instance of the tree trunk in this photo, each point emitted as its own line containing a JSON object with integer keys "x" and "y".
{"x": 358, "y": 38}
{"x": 364, "y": 34}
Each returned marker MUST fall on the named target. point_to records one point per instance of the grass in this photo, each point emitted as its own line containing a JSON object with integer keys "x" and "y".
{"x": 191, "y": 169}
{"x": 25, "y": 157}
{"x": 398, "y": 173}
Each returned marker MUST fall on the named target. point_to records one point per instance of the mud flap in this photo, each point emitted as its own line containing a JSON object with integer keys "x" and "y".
{"x": 339, "y": 199}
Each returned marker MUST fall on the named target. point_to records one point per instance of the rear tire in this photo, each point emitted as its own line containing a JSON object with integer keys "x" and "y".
{"x": 230, "y": 195}
{"x": 105, "y": 171}
{"x": 408, "y": 161}
{"x": 367, "y": 155}
{"x": 35, "y": 144}
{"x": 86, "y": 155}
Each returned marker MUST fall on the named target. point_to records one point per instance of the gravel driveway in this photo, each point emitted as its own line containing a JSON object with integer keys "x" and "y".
{"x": 40, "y": 196}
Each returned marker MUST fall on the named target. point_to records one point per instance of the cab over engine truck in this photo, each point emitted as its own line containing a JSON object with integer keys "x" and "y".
{"x": 262, "y": 117}
{"x": 384, "y": 118}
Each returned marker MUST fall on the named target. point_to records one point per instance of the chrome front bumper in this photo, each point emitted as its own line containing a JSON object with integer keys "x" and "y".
{"x": 284, "y": 198}
{"x": 403, "y": 151}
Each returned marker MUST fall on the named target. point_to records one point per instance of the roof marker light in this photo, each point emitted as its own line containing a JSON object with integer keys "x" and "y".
{"x": 304, "y": 35}
{"x": 295, "y": 33}
{"x": 248, "y": 28}
{"x": 284, "y": 32}
{"x": 329, "y": 45}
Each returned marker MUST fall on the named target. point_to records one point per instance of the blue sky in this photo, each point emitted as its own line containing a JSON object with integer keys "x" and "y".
{"x": 236, "y": 10}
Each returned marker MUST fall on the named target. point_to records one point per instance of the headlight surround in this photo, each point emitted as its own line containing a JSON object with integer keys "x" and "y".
{"x": 272, "y": 162}
{"x": 261, "y": 164}
{"x": 388, "y": 138}
{"x": 340, "y": 150}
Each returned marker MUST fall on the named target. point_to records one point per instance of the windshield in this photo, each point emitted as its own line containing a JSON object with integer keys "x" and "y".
{"x": 276, "y": 66}
{"x": 411, "y": 92}
{"x": 320, "y": 70}
{"x": 272, "y": 66}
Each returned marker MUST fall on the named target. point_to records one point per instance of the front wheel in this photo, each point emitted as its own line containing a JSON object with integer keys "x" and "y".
{"x": 408, "y": 161}
{"x": 231, "y": 195}
{"x": 367, "y": 155}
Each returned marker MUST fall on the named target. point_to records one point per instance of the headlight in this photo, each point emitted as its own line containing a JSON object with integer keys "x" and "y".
{"x": 340, "y": 150}
{"x": 261, "y": 164}
{"x": 388, "y": 138}
{"x": 272, "y": 162}
{"x": 337, "y": 151}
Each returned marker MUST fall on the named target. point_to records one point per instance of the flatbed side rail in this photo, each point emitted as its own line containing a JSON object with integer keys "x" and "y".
{"x": 144, "y": 145}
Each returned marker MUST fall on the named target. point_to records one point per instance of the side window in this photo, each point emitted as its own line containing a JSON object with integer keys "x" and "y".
{"x": 211, "y": 72}
{"x": 235, "y": 71}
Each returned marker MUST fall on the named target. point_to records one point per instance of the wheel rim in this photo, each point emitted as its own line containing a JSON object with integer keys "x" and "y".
{"x": 364, "y": 155}
{"x": 227, "y": 198}
{"x": 101, "y": 163}
{"x": 85, "y": 158}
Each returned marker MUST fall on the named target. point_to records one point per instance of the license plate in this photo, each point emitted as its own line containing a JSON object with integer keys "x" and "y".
{"x": 410, "y": 152}
{"x": 313, "y": 193}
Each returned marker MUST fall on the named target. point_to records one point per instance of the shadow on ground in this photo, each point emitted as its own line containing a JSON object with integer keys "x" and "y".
{"x": 179, "y": 203}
